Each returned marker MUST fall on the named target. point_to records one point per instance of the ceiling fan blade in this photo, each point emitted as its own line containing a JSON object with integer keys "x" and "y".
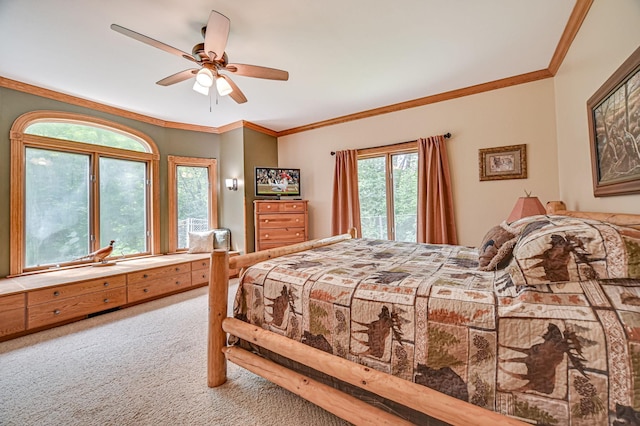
{"x": 257, "y": 71}
{"x": 237, "y": 94}
{"x": 216, "y": 35}
{"x": 177, "y": 77}
{"x": 152, "y": 42}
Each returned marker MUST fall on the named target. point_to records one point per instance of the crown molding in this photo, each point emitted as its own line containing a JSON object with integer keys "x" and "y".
{"x": 578, "y": 14}
{"x": 440, "y": 97}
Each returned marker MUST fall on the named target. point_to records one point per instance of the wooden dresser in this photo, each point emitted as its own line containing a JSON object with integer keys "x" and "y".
{"x": 280, "y": 223}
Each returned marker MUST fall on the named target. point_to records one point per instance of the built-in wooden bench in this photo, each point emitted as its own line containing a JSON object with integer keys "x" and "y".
{"x": 34, "y": 302}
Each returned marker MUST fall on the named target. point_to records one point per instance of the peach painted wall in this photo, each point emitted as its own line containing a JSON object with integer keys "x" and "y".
{"x": 523, "y": 114}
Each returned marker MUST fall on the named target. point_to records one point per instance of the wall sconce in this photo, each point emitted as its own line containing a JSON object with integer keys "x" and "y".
{"x": 231, "y": 184}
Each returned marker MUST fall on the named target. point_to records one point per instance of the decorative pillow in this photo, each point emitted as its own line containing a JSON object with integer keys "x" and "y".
{"x": 561, "y": 248}
{"x": 200, "y": 242}
{"x": 496, "y": 247}
{"x": 222, "y": 239}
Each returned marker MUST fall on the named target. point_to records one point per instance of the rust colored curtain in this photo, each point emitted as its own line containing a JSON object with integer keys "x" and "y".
{"x": 436, "y": 222}
{"x": 345, "y": 210}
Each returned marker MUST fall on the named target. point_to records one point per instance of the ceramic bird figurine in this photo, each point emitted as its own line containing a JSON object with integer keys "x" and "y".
{"x": 100, "y": 254}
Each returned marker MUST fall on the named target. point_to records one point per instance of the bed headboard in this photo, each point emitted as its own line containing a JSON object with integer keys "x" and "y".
{"x": 622, "y": 219}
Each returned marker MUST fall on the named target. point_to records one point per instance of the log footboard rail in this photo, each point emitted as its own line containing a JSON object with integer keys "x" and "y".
{"x": 409, "y": 394}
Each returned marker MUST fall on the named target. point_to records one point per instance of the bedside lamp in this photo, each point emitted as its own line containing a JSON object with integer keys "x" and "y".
{"x": 526, "y": 206}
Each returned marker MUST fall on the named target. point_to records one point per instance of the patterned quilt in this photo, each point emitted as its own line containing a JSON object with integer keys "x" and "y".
{"x": 556, "y": 353}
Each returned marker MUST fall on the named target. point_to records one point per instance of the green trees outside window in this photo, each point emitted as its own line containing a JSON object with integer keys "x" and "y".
{"x": 388, "y": 191}
{"x": 85, "y": 184}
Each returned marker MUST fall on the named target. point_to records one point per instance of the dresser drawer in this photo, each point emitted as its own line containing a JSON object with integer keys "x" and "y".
{"x": 145, "y": 289}
{"x": 200, "y": 276}
{"x": 200, "y": 264}
{"x": 293, "y": 206}
{"x": 290, "y": 235}
{"x": 265, "y": 207}
{"x": 281, "y": 220}
{"x": 71, "y": 290}
{"x": 281, "y": 206}
{"x": 153, "y": 274}
{"x": 73, "y": 307}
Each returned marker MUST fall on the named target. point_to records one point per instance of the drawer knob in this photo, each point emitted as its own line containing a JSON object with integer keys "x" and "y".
{"x": 106, "y": 300}
{"x": 106, "y": 284}
{"x": 177, "y": 282}
{"x": 146, "y": 290}
{"x": 56, "y": 312}
{"x": 204, "y": 275}
{"x": 268, "y": 206}
{"x": 266, "y": 221}
{"x": 297, "y": 220}
{"x": 295, "y": 206}
{"x": 177, "y": 268}
{"x": 297, "y": 234}
{"x": 266, "y": 235}
{"x": 56, "y": 293}
{"x": 145, "y": 276}
{"x": 204, "y": 263}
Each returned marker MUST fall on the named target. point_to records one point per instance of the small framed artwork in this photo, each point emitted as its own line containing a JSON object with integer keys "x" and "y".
{"x": 614, "y": 131}
{"x": 503, "y": 162}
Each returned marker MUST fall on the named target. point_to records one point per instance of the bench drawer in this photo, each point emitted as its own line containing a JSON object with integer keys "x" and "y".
{"x": 153, "y": 274}
{"x": 74, "y": 307}
{"x": 72, "y": 290}
{"x": 200, "y": 264}
{"x": 200, "y": 276}
{"x": 144, "y": 290}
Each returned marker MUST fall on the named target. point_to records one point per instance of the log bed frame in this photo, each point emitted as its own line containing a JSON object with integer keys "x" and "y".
{"x": 412, "y": 395}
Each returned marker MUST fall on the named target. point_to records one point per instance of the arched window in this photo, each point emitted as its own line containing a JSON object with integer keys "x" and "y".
{"x": 79, "y": 182}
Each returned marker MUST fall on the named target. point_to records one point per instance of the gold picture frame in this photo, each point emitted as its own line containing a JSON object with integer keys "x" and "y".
{"x": 503, "y": 162}
{"x": 614, "y": 131}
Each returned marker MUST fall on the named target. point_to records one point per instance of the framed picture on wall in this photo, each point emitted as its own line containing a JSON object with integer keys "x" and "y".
{"x": 614, "y": 131}
{"x": 503, "y": 162}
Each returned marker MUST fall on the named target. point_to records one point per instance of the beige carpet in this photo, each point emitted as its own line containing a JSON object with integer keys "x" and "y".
{"x": 144, "y": 365}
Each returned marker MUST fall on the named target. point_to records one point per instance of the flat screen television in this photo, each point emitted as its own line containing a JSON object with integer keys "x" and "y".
{"x": 277, "y": 182}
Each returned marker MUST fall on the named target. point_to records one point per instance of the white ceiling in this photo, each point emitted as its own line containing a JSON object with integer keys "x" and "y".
{"x": 343, "y": 56}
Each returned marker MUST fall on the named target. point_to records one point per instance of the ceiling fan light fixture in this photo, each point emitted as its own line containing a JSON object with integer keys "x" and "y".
{"x": 223, "y": 86}
{"x": 200, "y": 89}
{"x": 204, "y": 77}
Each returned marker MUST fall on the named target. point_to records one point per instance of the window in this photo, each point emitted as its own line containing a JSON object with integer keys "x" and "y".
{"x": 77, "y": 183}
{"x": 192, "y": 198}
{"x": 388, "y": 191}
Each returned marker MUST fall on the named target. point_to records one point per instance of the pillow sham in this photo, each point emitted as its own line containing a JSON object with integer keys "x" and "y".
{"x": 222, "y": 239}
{"x": 496, "y": 247}
{"x": 561, "y": 249}
{"x": 200, "y": 242}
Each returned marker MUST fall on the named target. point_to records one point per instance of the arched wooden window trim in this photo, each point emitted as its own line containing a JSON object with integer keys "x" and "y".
{"x": 21, "y": 140}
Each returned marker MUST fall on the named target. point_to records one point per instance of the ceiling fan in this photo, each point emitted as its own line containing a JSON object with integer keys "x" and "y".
{"x": 212, "y": 58}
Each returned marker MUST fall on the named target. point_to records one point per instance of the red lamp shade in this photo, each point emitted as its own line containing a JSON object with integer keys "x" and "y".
{"x": 526, "y": 206}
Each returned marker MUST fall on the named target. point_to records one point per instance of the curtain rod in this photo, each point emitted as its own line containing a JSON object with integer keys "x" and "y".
{"x": 446, "y": 136}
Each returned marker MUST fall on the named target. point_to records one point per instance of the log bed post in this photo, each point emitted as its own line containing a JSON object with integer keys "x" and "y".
{"x": 218, "y": 296}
